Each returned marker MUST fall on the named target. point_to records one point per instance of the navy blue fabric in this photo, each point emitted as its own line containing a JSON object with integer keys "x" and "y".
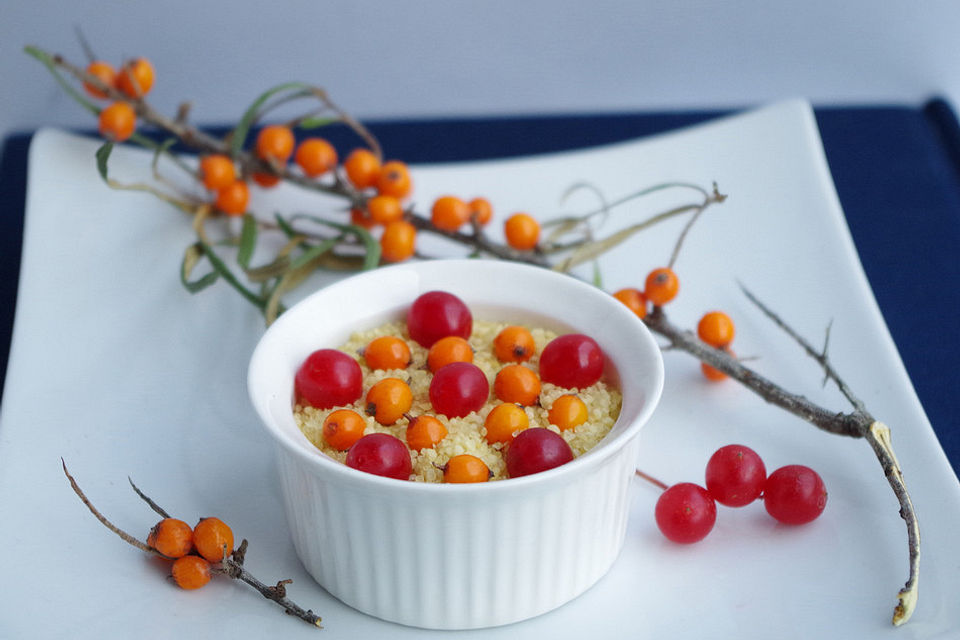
{"x": 897, "y": 171}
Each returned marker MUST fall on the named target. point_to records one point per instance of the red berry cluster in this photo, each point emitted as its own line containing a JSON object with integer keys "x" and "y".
{"x": 735, "y": 477}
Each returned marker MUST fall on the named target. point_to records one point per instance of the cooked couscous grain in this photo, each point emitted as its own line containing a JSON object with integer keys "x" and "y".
{"x": 464, "y": 435}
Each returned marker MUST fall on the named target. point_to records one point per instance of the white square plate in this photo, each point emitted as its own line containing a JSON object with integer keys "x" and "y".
{"x": 117, "y": 369}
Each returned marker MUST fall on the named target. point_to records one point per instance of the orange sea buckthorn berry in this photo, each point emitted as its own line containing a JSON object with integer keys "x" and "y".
{"x": 480, "y": 210}
{"x": 517, "y": 383}
{"x": 388, "y": 400}
{"x": 661, "y": 286}
{"x": 384, "y": 209}
{"x": 275, "y": 143}
{"x": 514, "y": 344}
{"x": 466, "y": 468}
{"x": 522, "y": 231}
{"x": 171, "y": 537}
{"x": 117, "y": 121}
{"x": 394, "y": 180}
{"x": 217, "y": 171}
{"x": 136, "y": 78}
{"x": 316, "y": 156}
{"x": 191, "y": 572}
{"x": 504, "y": 421}
{"x": 233, "y": 199}
{"x": 342, "y": 428}
{"x": 449, "y": 213}
{"x": 716, "y": 329}
{"x": 387, "y": 352}
{"x": 361, "y": 218}
{"x": 568, "y": 412}
{"x": 634, "y": 300}
{"x": 210, "y": 536}
{"x": 424, "y": 432}
{"x": 105, "y": 73}
{"x": 713, "y": 374}
{"x": 398, "y": 241}
{"x": 447, "y": 350}
{"x": 362, "y": 167}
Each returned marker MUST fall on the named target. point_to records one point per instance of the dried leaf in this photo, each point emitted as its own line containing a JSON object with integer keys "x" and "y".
{"x": 271, "y": 270}
{"x": 590, "y": 250}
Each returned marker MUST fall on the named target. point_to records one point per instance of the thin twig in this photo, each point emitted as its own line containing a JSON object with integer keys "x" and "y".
{"x": 877, "y": 435}
{"x": 153, "y": 505}
{"x": 708, "y": 198}
{"x": 819, "y": 356}
{"x": 126, "y": 537}
{"x": 853, "y": 424}
{"x": 234, "y": 568}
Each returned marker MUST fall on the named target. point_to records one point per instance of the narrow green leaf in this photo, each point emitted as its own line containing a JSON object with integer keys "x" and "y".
{"x": 314, "y": 252}
{"x": 597, "y": 276}
{"x": 103, "y": 154}
{"x": 191, "y": 257}
{"x": 239, "y": 135}
{"x": 370, "y": 244}
{"x": 248, "y": 241}
{"x": 316, "y": 122}
{"x": 221, "y": 268}
{"x": 285, "y": 226}
{"x": 51, "y": 66}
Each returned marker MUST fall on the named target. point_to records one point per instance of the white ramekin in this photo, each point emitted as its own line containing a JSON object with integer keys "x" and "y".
{"x": 457, "y": 556}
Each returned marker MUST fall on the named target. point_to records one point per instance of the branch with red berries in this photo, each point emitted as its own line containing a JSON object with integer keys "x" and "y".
{"x": 375, "y": 226}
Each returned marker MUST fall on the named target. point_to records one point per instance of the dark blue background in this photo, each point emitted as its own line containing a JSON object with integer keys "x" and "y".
{"x": 897, "y": 171}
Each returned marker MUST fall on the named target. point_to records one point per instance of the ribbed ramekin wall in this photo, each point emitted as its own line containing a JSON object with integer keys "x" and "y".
{"x": 449, "y": 561}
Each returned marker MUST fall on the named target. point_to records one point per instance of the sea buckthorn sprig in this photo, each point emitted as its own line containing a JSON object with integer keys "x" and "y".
{"x": 197, "y": 553}
{"x": 358, "y": 242}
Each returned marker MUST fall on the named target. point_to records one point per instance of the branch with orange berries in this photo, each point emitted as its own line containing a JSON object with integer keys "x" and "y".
{"x": 374, "y": 226}
{"x": 197, "y": 553}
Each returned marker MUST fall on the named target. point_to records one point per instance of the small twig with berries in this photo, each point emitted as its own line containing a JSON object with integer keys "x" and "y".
{"x": 197, "y": 552}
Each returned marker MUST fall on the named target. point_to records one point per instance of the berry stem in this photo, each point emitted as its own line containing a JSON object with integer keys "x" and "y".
{"x": 657, "y": 483}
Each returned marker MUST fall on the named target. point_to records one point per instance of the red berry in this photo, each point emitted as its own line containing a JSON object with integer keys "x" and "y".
{"x": 438, "y": 314}
{"x": 571, "y": 361}
{"x": 535, "y": 450}
{"x": 458, "y": 388}
{"x": 685, "y": 513}
{"x": 735, "y": 475}
{"x": 794, "y": 494}
{"x": 380, "y": 454}
{"x": 329, "y": 378}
